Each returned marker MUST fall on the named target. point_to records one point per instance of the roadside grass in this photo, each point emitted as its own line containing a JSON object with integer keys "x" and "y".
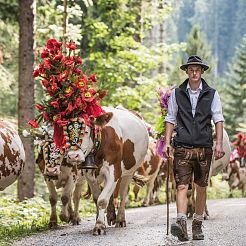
{"x": 31, "y": 216}
{"x": 19, "y": 219}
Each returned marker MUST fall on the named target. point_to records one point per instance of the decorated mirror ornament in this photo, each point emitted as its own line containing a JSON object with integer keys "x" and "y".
{"x": 52, "y": 155}
{"x": 74, "y": 132}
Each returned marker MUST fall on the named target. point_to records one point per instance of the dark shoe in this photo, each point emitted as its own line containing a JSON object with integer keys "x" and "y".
{"x": 197, "y": 233}
{"x": 89, "y": 162}
{"x": 179, "y": 229}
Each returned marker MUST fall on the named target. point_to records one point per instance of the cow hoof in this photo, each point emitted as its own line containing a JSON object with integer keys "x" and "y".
{"x": 144, "y": 204}
{"x": 111, "y": 220}
{"x": 99, "y": 229}
{"x": 64, "y": 218}
{"x": 76, "y": 221}
{"x": 53, "y": 225}
{"x": 206, "y": 217}
{"x": 120, "y": 224}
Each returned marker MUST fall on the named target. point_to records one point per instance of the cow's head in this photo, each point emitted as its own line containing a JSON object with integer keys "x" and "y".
{"x": 51, "y": 157}
{"x": 80, "y": 137}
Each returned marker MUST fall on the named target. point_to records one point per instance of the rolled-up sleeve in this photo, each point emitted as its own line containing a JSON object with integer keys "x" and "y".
{"x": 216, "y": 109}
{"x": 172, "y": 109}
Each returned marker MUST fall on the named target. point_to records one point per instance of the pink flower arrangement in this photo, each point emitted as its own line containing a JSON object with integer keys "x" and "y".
{"x": 163, "y": 97}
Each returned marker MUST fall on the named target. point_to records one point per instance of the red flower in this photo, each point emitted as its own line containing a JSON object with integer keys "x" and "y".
{"x": 78, "y": 60}
{"x": 59, "y": 58}
{"x": 33, "y": 123}
{"x": 53, "y": 44}
{"x": 95, "y": 110}
{"x": 54, "y": 104}
{"x": 35, "y": 73}
{"x": 47, "y": 63}
{"x": 80, "y": 84}
{"x": 93, "y": 78}
{"x": 45, "y": 54}
{"x": 71, "y": 45}
{"x": 41, "y": 68}
{"x": 56, "y": 117}
{"x": 77, "y": 71}
{"x": 87, "y": 96}
{"x": 45, "y": 83}
{"x": 62, "y": 122}
{"x": 77, "y": 103}
{"x": 39, "y": 106}
{"x": 46, "y": 116}
{"x": 69, "y": 91}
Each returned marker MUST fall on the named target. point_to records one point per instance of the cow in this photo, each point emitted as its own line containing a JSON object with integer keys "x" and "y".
{"x": 147, "y": 174}
{"x": 58, "y": 173}
{"x": 216, "y": 167}
{"x": 123, "y": 146}
{"x": 235, "y": 175}
{"x": 12, "y": 155}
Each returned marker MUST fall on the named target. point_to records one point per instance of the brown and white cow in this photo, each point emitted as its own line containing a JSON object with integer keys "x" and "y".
{"x": 60, "y": 174}
{"x": 147, "y": 174}
{"x": 236, "y": 176}
{"x": 12, "y": 155}
{"x": 124, "y": 144}
{"x": 216, "y": 167}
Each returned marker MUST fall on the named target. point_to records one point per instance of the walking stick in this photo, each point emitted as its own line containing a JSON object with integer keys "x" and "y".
{"x": 167, "y": 187}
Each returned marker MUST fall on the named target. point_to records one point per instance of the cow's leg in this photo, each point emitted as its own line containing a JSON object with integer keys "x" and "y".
{"x": 149, "y": 188}
{"x": 66, "y": 200}
{"x": 76, "y": 199}
{"x": 94, "y": 186}
{"x": 120, "y": 219}
{"x": 111, "y": 215}
{"x": 136, "y": 189}
{"x": 103, "y": 200}
{"x": 53, "y": 202}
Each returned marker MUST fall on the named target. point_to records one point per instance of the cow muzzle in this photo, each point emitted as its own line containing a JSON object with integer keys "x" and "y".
{"x": 52, "y": 172}
{"x": 75, "y": 157}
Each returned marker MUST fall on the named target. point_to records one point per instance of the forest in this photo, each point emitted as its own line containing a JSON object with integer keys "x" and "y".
{"x": 135, "y": 47}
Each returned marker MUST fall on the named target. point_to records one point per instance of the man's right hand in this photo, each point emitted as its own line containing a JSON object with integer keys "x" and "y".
{"x": 168, "y": 150}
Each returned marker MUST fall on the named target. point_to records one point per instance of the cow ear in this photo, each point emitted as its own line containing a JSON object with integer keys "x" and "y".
{"x": 103, "y": 119}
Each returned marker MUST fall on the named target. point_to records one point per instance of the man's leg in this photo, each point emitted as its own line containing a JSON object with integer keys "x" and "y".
{"x": 181, "y": 199}
{"x": 179, "y": 229}
{"x": 197, "y": 233}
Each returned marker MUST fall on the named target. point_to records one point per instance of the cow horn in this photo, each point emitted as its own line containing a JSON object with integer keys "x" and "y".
{"x": 33, "y": 133}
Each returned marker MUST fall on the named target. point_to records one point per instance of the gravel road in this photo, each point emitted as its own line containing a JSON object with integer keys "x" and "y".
{"x": 147, "y": 227}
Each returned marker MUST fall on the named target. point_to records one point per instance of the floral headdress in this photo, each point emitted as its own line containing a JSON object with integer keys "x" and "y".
{"x": 69, "y": 92}
{"x": 163, "y": 97}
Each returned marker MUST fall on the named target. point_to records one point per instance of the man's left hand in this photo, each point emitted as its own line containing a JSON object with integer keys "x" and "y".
{"x": 218, "y": 152}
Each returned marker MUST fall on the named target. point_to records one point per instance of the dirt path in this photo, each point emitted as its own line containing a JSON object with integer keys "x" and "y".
{"x": 147, "y": 227}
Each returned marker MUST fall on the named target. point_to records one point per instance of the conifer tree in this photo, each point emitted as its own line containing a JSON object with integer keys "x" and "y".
{"x": 235, "y": 94}
{"x": 196, "y": 44}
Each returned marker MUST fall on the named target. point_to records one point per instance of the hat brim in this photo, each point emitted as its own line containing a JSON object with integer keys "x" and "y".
{"x": 204, "y": 66}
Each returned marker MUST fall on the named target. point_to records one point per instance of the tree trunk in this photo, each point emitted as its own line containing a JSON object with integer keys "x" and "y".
{"x": 26, "y": 109}
{"x": 65, "y": 20}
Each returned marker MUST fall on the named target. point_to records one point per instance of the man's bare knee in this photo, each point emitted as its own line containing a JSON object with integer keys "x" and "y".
{"x": 201, "y": 188}
{"x": 182, "y": 187}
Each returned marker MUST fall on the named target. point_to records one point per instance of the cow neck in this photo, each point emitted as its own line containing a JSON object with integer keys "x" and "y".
{"x": 96, "y": 136}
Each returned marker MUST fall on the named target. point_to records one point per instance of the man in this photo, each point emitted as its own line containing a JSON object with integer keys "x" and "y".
{"x": 191, "y": 108}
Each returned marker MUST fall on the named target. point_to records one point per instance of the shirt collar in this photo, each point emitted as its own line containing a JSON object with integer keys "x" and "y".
{"x": 199, "y": 88}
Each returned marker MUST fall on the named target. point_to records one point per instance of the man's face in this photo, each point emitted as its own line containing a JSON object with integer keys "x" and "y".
{"x": 194, "y": 73}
